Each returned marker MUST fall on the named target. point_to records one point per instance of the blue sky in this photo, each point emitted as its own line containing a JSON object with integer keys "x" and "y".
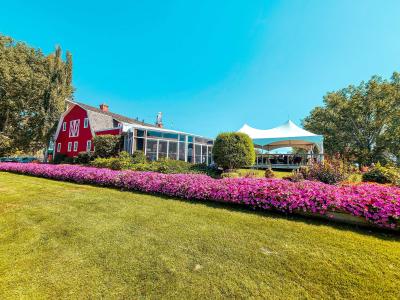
{"x": 211, "y": 66}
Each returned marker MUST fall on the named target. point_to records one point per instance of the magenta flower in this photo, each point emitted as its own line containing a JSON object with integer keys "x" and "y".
{"x": 378, "y": 204}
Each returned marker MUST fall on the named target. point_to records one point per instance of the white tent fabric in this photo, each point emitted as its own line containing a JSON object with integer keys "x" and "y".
{"x": 285, "y": 135}
{"x": 288, "y": 129}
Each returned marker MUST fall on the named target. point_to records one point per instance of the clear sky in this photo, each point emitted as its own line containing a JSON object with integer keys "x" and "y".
{"x": 209, "y": 65}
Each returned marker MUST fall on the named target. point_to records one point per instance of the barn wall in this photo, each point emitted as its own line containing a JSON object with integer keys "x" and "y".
{"x": 83, "y": 134}
{"x": 114, "y": 131}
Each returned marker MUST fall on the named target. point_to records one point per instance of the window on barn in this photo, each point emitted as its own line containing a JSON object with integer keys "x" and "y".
{"x": 74, "y": 128}
{"x": 86, "y": 123}
{"x": 88, "y": 145}
{"x": 64, "y": 127}
{"x": 58, "y": 147}
{"x": 76, "y": 146}
{"x": 69, "y": 146}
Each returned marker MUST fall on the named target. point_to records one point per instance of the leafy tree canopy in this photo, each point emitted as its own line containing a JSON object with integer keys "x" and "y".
{"x": 33, "y": 90}
{"x": 362, "y": 123}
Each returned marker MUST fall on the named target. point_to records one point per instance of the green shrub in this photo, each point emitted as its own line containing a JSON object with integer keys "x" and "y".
{"x": 211, "y": 171}
{"x": 144, "y": 167}
{"x": 382, "y": 174}
{"x": 68, "y": 160}
{"x": 233, "y": 150}
{"x": 101, "y": 162}
{"x": 122, "y": 162}
{"x": 230, "y": 175}
{"x": 83, "y": 158}
{"x": 106, "y": 145}
{"x": 59, "y": 158}
{"x": 126, "y": 162}
{"x": 169, "y": 166}
{"x": 269, "y": 173}
{"x": 139, "y": 157}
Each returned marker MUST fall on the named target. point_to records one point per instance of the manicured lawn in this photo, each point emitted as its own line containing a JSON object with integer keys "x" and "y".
{"x": 261, "y": 173}
{"x": 63, "y": 240}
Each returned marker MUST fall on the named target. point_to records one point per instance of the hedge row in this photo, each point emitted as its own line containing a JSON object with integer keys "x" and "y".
{"x": 378, "y": 204}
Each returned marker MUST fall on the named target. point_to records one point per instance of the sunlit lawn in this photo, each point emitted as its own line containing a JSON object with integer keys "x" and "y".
{"x": 63, "y": 240}
{"x": 261, "y": 173}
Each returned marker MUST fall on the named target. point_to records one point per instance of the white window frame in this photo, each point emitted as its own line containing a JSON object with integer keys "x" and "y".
{"x": 75, "y": 146}
{"x": 58, "y": 147}
{"x": 69, "y": 146}
{"x": 88, "y": 145}
{"x": 86, "y": 123}
{"x": 64, "y": 126}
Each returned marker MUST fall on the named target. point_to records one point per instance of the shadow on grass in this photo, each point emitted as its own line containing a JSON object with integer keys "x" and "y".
{"x": 377, "y": 232}
{"x": 370, "y": 230}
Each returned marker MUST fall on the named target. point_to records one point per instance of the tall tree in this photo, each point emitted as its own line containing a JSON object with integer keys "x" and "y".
{"x": 33, "y": 90}
{"x": 360, "y": 122}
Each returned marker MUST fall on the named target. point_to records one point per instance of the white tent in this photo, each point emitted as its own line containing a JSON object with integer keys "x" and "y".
{"x": 285, "y": 135}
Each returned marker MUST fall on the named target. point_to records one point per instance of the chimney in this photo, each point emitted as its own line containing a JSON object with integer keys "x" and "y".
{"x": 104, "y": 107}
{"x": 159, "y": 123}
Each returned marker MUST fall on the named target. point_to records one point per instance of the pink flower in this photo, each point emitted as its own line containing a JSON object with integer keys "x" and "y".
{"x": 377, "y": 204}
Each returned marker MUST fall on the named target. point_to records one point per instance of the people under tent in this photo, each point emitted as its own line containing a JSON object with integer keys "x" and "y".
{"x": 266, "y": 142}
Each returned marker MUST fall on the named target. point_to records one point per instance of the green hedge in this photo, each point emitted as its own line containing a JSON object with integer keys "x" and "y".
{"x": 233, "y": 150}
{"x": 106, "y": 145}
{"x": 136, "y": 163}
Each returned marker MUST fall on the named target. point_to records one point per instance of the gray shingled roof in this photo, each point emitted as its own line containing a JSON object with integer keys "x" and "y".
{"x": 104, "y": 119}
{"x": 99, "y": 121}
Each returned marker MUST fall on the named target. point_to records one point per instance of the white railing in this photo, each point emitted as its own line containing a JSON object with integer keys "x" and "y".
{"x": 286, "y": 161}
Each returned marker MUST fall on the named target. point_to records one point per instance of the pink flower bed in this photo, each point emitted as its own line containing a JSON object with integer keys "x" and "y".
{"x": 379, "y": 205}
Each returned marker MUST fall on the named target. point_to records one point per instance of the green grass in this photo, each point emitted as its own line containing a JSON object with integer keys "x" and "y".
{"x": 261, "y": 173}
{"x": 63, "y": 240}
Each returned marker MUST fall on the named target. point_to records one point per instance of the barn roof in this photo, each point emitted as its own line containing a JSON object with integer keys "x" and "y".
{"x": 100, "y": 119}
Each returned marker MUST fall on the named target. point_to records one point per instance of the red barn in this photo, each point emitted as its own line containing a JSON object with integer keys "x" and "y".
{"x": 80, "y": 123}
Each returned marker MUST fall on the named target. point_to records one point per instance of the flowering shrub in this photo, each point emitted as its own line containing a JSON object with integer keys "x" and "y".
{"x": 381, "y": 174}
{"x": 269, "y": 173}
{"x": 295, "y": 176}
{"x": 330, "y": 172}
{"x": 378, "y": 204}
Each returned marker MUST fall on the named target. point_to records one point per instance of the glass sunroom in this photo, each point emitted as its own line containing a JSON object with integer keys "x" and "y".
{"x": 158, "y": 143}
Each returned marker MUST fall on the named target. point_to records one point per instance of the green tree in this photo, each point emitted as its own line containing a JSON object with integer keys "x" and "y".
{"x": 33, "y": 90}
{"x": 233, "y": 150}
{"x": 360, "y": 122}
{"x": 5, "y": 145}
{"x": 297, "y": 150}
